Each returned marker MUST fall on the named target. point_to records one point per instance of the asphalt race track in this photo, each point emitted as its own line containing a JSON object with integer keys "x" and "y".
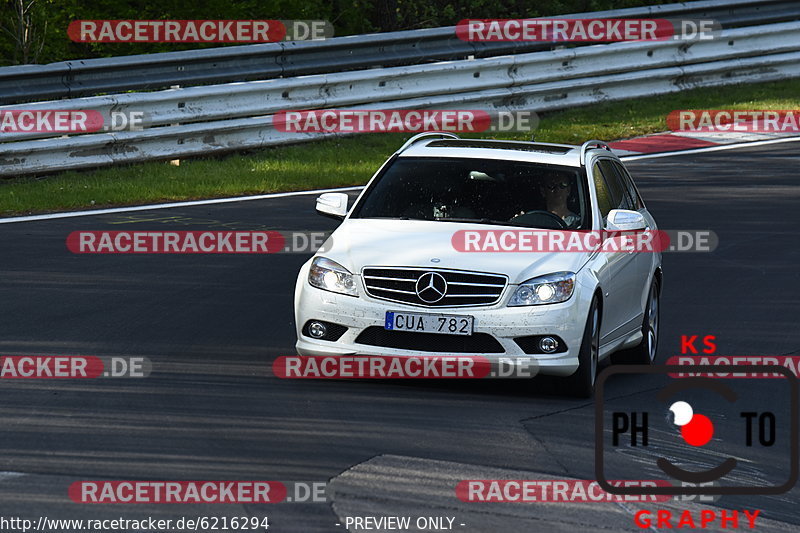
{"x": 213, "y": 324}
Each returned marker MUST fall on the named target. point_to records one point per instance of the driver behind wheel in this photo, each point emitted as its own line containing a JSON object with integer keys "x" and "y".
{"x": 556, "y": 189}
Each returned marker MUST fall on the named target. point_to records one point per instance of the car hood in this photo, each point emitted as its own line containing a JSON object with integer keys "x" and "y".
{"x": 390, "y": 242}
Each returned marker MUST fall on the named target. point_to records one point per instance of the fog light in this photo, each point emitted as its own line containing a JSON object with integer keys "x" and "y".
{"x": 548, "y": 344}
{"x": 317, "y": 330}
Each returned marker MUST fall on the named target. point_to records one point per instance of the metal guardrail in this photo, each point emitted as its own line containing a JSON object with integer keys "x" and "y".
{"x": 71, "y": 79}
{"x": 540, "y": 81}
{"x": 345, "y": 89}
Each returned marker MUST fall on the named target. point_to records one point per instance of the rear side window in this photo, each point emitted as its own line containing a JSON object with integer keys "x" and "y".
{"x": 604, "y": 199}
{"x": 626, "y": 179}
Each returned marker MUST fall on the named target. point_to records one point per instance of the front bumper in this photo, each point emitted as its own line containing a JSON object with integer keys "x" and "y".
{"x": 565, "y": 320}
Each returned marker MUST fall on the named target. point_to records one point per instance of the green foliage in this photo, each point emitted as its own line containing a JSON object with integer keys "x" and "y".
{"x": 50, "y": 18}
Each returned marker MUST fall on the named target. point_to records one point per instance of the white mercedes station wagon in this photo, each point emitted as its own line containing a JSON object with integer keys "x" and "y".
{"x": 391, "y": 282}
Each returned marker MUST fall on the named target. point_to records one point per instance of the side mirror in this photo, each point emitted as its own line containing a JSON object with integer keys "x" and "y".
{"x": 625, "y": 220}
{"x": 333, "y": 205}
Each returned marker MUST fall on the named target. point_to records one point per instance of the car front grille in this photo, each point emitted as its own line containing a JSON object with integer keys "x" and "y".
{"x": 399, "y": 284}
{"x": 429, "y": 342}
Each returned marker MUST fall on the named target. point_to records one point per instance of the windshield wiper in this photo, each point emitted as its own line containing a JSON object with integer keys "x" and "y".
{"x": 475, "y": 220}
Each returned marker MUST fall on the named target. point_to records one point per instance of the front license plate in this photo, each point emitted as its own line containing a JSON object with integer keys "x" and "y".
{"x": 429, "y": 323}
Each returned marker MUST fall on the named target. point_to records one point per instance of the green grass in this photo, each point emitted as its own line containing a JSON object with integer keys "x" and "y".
{"x": 350, "y": 161}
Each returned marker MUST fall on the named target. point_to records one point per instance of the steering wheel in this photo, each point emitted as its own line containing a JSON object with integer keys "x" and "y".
{"x": 539, "y": 218}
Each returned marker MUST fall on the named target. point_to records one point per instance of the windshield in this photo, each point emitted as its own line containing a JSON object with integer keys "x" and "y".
{"x": 487, "y": 191}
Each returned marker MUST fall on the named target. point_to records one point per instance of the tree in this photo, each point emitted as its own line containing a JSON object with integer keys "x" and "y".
{"x": 27, "y": 31}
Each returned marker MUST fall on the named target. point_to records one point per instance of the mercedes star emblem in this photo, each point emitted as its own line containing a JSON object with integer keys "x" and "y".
{"x": 431, "y": 287}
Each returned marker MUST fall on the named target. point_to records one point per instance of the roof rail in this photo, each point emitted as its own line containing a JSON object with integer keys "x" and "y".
{"x": 424, "y": 134}
{"x": 590, "y": 145}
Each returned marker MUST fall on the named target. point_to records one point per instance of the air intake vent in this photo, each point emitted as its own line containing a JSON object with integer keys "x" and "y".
{"x": 429, "y": 342}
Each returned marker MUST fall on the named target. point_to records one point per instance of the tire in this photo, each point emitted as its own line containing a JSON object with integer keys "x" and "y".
{"x": 581, "y": 383}
{"x": 645, "y": 353}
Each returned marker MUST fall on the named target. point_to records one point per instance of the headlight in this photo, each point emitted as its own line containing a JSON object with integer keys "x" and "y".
{"x": 549, "y": 289}
{"x": 331, "y": 276}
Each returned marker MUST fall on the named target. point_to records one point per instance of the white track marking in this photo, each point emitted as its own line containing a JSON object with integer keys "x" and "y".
{"x": 170, "y": 205}
{"x": 709, "y": 149}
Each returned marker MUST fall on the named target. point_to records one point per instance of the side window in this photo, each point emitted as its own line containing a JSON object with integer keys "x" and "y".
{"x": 604, "y": 200}
{"x": 619, "y": 193}
{"x": 636, "y": 199}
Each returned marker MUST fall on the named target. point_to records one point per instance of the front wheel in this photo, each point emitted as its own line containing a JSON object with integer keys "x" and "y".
{"x": 581, "y": 383}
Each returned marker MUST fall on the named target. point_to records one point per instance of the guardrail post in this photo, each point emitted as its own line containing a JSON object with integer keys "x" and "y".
{"x": 175, "y": 162}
